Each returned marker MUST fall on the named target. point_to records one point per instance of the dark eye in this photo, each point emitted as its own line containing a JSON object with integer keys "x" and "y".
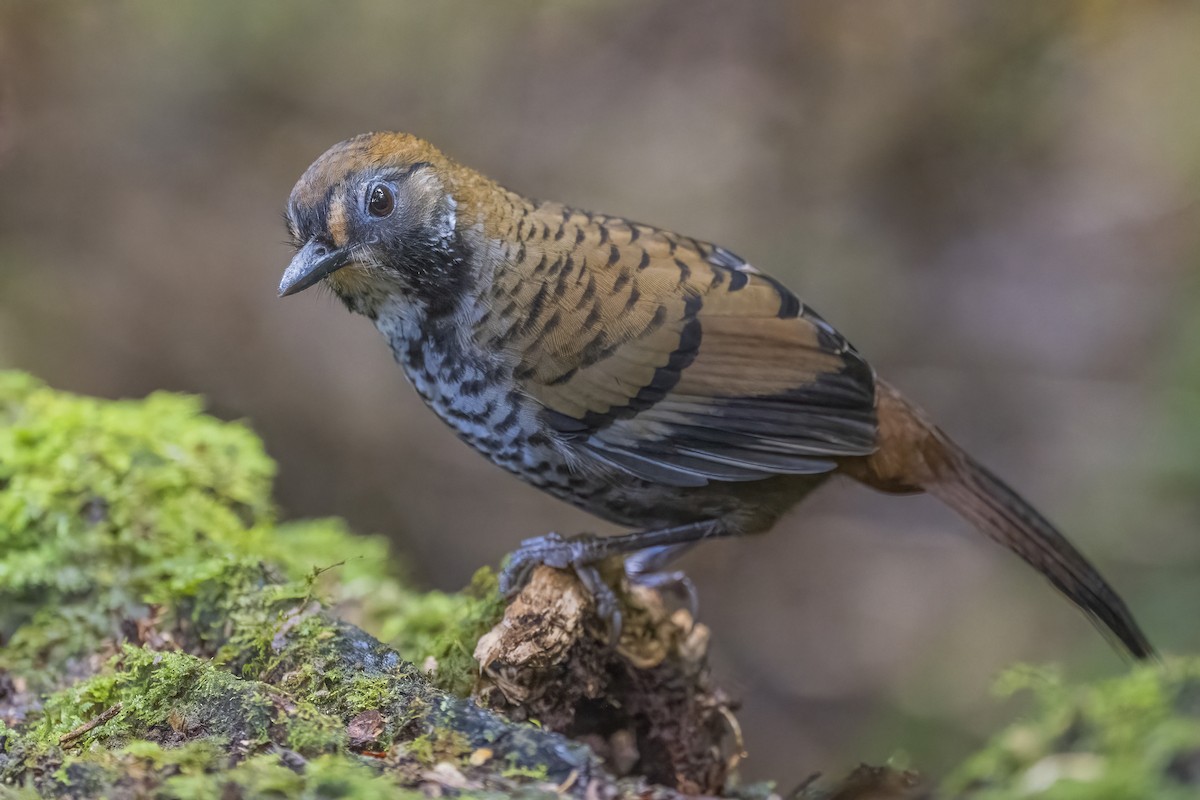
{"x": 380, "y": 201}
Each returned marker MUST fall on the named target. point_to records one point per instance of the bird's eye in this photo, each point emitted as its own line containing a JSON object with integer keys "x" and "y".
{"x": 380, "y": 200}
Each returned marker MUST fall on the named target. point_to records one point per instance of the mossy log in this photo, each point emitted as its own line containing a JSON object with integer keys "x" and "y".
{"x": 163, "y": 636}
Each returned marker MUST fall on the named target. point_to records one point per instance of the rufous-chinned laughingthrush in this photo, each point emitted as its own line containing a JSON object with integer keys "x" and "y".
{"x": 655, "y": 380}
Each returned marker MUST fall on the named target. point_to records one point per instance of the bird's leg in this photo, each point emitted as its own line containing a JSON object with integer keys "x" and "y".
{"x": 582, "y": 553}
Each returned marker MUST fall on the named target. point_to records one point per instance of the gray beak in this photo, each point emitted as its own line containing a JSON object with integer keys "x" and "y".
{"x": 315, "y": 261}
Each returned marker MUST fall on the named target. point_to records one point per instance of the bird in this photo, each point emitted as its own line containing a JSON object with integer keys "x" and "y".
{"x": 658, "y": 381}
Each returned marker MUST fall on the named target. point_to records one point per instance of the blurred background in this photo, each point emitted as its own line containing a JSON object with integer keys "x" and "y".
{"x": 998, "y": 203}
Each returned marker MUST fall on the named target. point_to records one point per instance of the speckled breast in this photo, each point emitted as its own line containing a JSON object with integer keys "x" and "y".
{"x": 478, "y": 401}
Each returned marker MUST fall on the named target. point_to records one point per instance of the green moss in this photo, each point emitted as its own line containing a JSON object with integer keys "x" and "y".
{"x": 108, "y": 508}
{"x": 145, "y": 529}
{"x": 160, "y": 692}
{"x": 438, "y": 745}
{"x": 1136, "y": 736}
{"x": 310, "y": 731}
{"x": 264, "y": 776}
{"x": 533, "y": 773}
{"x": 101, "y": 507}
{"x": 439, "y": 631}
{"x": 195, "y": 773}
{"x": 191, "y": 758}
{"x": 363, "y": 692}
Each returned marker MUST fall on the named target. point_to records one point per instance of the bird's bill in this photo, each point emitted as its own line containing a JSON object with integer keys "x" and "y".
{"x": 314, "y": 262}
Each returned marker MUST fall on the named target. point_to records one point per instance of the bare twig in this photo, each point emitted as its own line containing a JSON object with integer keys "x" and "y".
{"x": 91, "y": 725}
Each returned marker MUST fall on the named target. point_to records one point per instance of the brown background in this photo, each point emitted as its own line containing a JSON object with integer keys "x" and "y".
{"x": 997, "y": 202}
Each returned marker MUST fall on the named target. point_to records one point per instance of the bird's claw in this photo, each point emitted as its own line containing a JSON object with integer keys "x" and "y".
{"x": 676, "y": 582}
{"x": 648, "y": 568}
{"x": 578, "y": 553}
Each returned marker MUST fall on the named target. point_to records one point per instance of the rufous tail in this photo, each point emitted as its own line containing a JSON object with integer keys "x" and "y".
{"x": 914, "y": 455}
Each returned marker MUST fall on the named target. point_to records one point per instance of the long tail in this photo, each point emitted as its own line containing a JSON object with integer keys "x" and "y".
{"x": 915, "y": 455}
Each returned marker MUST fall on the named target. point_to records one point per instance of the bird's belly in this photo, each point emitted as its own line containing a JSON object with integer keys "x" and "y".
{"x": 479, "y": 404}
{"x": 748, "y": 507}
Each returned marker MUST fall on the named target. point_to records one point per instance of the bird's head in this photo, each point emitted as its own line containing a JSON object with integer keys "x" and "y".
{"x": 374, "y": 217}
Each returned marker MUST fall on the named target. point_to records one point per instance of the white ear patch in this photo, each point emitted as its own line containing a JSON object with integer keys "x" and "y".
{"x": 447, "y": 220}
{"x": 426, "y": 185}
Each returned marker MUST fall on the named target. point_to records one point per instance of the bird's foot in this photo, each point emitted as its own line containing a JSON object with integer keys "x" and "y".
{"x": 579, "y": 553}
{"x": 676, "y": 582}
{"x": 648, "y": 568}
